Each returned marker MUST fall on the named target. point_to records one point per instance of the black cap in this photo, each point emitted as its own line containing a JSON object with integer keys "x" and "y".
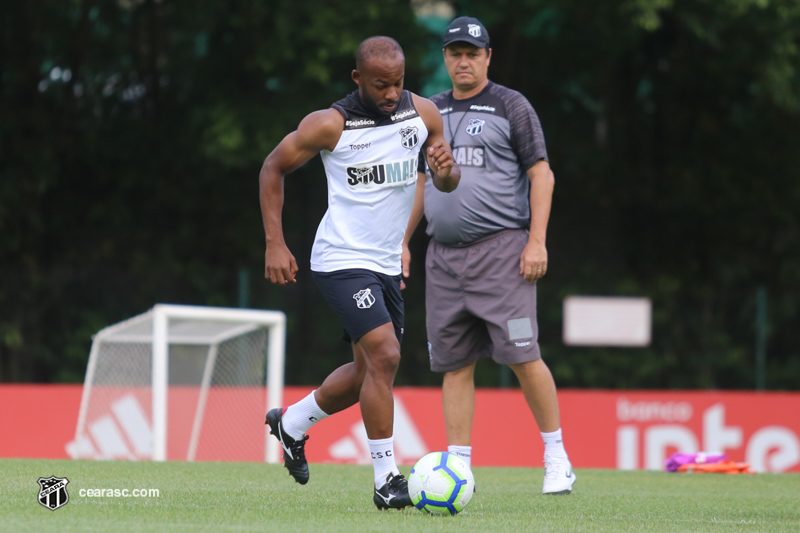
{"x": 466, "y": 29}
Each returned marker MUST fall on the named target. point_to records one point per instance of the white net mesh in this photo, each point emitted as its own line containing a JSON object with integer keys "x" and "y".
{"x": 216, "y": 395}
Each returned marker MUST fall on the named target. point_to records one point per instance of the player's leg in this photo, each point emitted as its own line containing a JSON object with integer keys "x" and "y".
{"x": 382, "y": 357}
{"x": 339, "y": 390}
{"x": 381, "y": 353}
{"x": 342, "y": 387}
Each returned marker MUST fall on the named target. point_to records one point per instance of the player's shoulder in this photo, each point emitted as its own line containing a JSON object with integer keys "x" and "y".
{"x": 322, "y": 128}
{"x": 326, "y": 119}
{"x": 426, "y": 107}
{"x": 440, "y": 100}
{"x": 421, "y": 101}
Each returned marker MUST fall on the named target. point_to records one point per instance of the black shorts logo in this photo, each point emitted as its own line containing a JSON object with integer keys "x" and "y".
{"x": 53, "y": 492}
{"x": 364, "y": 299}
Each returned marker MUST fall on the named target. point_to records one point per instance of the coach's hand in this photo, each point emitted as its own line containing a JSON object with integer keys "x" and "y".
{"x": 533, "y": 262}
{"x": 280, "y": 266}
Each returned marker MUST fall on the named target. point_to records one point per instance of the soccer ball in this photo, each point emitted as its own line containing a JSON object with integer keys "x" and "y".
{"x": 441, "y": 483}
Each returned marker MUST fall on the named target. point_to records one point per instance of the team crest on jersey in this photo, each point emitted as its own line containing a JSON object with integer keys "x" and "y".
{"x": 475, "y": 126}
{"x": 474, "y": 30}
{"x": 53, "y": 492}
{"x": 409, "y": 137}
{"x": 364, "y": 299}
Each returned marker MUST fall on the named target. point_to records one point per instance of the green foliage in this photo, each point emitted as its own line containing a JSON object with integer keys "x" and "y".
{"x": 132, "y": 134}
{"x": 132, "y": 137}
{"x": 671, "y": 129}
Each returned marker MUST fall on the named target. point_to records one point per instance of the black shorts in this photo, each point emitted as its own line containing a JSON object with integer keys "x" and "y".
{"x": 363, "y": 300}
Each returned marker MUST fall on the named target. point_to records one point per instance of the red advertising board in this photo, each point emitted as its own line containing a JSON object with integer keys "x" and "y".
{"x": 602, "y": 429}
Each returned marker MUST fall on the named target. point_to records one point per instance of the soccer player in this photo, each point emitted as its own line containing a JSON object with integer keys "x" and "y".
{"x": 487, "y": 247}
{"x": 369, "y": 143}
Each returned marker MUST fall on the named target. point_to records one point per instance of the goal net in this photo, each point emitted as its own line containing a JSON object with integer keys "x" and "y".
{"x": 183, "y": 383}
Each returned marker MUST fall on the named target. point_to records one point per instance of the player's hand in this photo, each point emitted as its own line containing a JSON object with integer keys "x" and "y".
{"x": 280, "y": 266}
{"x": 440, "y": 158}
{"x": 405, "y": 261}
{"x": 533, "y": 262}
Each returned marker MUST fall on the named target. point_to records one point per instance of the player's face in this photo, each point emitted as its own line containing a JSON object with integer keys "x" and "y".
{"x": 467, "y": 65}
{"x": 380, "y": 84}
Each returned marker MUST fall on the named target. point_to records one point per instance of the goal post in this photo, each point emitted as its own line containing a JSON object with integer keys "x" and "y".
{"x": 185, "y": 366}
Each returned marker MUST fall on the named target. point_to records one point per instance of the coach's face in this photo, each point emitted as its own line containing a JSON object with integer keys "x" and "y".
{"x": 467, "y": 65}
{"x": 380, "y": 83}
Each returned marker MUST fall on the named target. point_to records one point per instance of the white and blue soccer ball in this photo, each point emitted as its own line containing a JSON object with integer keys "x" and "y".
{"x": 441, "y": 483}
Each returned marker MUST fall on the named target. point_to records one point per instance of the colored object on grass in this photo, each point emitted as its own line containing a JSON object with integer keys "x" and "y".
{"x": 676, "y": 460}
{"x": 721, "y": 467}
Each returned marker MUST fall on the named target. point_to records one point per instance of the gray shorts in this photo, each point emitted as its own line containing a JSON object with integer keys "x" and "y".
{"x": 478, "y": 305}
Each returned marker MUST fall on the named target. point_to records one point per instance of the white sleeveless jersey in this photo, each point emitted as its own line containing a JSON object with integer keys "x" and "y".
{"x": 372, "y": 174}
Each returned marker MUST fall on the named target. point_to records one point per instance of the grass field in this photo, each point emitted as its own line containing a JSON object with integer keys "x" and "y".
{"x": 259, "y": 497}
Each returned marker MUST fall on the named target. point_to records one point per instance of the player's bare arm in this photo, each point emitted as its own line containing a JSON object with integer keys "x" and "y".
{"x": 533, "y": 261}
{"x": 317, "y": 131}
{"x": 438, "y": 153}
{"x": 416, "y": 215}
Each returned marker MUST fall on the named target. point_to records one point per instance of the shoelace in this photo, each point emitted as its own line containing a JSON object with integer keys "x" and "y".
{"x": 398, "y": 482}
{"x": 551, "y": 468}
{"x": 299, "y": 449}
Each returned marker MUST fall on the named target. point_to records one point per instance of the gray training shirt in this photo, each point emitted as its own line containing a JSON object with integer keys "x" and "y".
{"x": 496, "y": 137}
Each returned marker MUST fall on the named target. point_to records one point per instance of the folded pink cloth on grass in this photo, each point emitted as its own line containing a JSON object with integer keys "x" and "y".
{"x": 676, "y": 460}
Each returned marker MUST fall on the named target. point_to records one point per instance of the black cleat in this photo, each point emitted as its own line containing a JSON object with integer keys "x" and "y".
{"x": 393, "y": 494}
{"x": 294, "y": 451}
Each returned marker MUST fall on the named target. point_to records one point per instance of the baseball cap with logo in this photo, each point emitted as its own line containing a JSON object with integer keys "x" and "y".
{"x": 466, "y": 29}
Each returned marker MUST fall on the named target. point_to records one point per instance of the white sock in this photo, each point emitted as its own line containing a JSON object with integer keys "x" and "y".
{"x": 554, "y": 445}
{"x": 464, "y": 452}
{"x": 383, "y": 463}
{"x": 299, "y": 417}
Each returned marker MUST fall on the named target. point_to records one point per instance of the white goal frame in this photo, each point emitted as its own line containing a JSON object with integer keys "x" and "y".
{"x": 275, "y": 321}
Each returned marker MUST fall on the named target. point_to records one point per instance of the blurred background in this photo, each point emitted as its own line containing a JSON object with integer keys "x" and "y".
{"x": 132, "y": 133}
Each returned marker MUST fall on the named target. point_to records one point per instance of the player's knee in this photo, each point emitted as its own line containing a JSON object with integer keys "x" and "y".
{"x": 385, "y": 360}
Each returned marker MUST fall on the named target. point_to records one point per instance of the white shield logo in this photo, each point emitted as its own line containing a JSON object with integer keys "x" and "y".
{"x": 364, "y": 299}
{"x": 475, "y": 126}
{"x": 474, "y": 30}
{"x": 409, "y": 137}
{"x": 53, "y": 492}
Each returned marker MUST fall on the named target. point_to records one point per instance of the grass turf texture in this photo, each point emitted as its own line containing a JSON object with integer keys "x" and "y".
{"x": 260, "y": 497}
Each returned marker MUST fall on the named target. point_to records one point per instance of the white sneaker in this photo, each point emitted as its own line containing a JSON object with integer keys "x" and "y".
{"x": 558, "y": 476}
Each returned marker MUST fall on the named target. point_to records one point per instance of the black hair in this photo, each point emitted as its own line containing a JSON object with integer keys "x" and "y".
{"x": 378, "y": 47}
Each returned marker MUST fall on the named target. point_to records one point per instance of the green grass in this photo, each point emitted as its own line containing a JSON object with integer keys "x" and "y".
{"x": 259, "y": 497}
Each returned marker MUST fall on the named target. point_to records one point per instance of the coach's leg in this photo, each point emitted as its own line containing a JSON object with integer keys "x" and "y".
{"x": 458, "y": 404}
{"x": 539, "y": 389}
